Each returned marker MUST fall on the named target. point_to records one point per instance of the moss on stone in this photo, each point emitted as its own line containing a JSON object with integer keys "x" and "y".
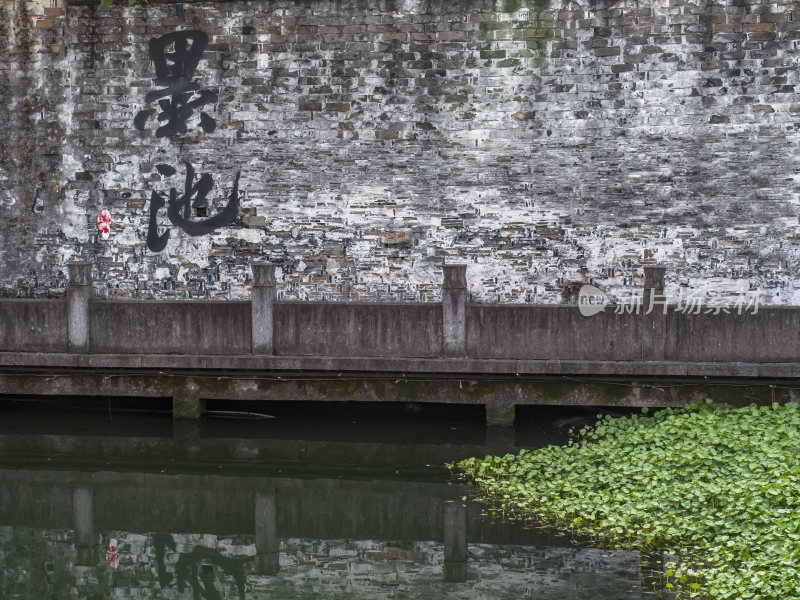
{"x": 535, "y": 28}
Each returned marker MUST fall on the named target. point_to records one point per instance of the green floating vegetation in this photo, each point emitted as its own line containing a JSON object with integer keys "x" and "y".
{"x": 719, "y": 488}
{"x": 106, "y": 4}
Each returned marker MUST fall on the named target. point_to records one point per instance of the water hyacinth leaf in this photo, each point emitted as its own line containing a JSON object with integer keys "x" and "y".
{"x": 719, "y": 487}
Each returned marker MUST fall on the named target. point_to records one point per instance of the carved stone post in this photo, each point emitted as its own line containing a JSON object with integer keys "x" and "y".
{"x": 79, "y": 291}
{"x": 654, "y": 314}
{"x": 454, "y": 311}
{"x": 262, "y": 301}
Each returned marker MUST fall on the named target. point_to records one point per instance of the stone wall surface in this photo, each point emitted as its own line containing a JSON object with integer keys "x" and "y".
{"x": 356, "y": 329}
{"x": 170, "y": 327}
{"x": 553, "y": 332}
{"x": 545, "y": 143}
{"x": 33, "y": 325}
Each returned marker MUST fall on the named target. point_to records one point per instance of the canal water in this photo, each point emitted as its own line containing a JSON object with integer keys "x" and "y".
{"x": 350, "y": 503}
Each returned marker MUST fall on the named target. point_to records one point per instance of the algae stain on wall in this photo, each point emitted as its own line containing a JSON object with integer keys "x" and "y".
{"x": 518, "y": 36}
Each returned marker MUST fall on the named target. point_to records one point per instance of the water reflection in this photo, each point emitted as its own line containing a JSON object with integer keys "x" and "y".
{"x": 196, "y": 514}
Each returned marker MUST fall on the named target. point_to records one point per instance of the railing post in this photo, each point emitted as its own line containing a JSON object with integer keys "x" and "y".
{"x": 79, "y": 291}
{"x": 262, "y": 301}
{"x": 654, "y": 313}
{"x": 454, "y": 311}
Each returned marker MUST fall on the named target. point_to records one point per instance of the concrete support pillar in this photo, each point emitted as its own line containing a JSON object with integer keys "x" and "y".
{"x": 186, "y": 402}
{"x": 500, "y": 411}
{"x": 262, "y": 301}
{"x": 79, "y": 291}
{"x": 455, "y": 541}
{"x": 654, "y": 314}
{"x": 83, "y": 524}
{"x": 267, "y": 542}
{"x": 454, "y": 311}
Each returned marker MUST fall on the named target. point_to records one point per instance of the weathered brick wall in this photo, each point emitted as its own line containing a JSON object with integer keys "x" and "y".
{"x": 547, "y": 143}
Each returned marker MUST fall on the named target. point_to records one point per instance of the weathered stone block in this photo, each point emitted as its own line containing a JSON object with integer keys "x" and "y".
{"x": 187, "y": 405}
{"x": 610, "y": 51}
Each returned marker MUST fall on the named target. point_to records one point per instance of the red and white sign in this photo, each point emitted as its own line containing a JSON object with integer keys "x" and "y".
{"x": 104, "y": 223}
{"x": 112, "y": 554}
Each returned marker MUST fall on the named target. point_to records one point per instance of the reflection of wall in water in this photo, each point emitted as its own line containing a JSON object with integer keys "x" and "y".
{"x": 370, "y": 570}
{"x": 37, "y": 563}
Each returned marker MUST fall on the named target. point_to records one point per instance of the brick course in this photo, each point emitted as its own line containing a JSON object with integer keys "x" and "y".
{"x": 545, "y": 144}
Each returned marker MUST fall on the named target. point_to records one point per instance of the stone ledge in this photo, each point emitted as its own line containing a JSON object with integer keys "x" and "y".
{"x": 468, "y": 367}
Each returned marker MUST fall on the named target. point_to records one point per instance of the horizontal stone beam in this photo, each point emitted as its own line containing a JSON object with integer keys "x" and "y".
{"x": 500, "y": 397}
{"x": 465, "y": 367}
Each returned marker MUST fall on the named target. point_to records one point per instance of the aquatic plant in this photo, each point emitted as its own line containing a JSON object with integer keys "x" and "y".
{"x": 720, "y": 488}
{"x": 106, "y": 4}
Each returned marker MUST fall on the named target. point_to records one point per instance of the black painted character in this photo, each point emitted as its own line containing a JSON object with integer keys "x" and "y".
{"x": 197, "y": 569}
{"x": 175, "y": 70}
{"x": 179, "y": 208}
{"x": 162, "y": 541}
